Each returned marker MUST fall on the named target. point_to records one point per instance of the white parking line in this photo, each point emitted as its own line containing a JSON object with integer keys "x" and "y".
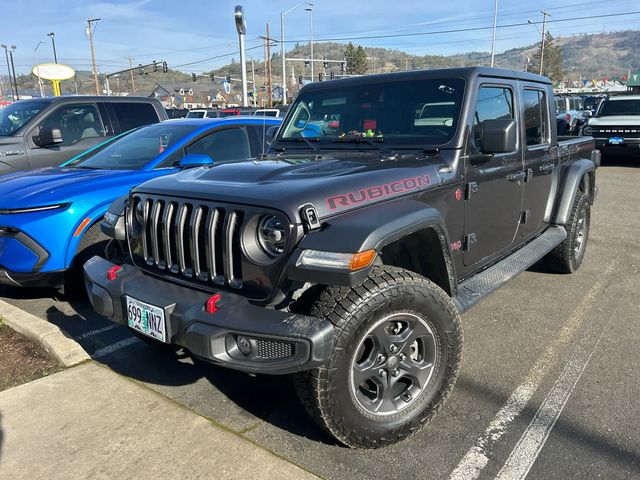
{"x": 113, "y": 347}
{"x": 534, "y": 437}
{"x": 476, "y": 459}
{"x": 95, "y": 332}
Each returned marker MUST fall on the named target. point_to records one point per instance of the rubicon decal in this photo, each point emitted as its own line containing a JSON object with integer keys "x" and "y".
{"x": 369, "y": 194}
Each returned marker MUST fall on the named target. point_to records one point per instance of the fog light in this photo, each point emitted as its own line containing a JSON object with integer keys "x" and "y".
{"x": 244, "y": 345}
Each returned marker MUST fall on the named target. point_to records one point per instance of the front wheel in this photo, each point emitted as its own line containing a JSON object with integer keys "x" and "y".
{"x": 396, "y": 357}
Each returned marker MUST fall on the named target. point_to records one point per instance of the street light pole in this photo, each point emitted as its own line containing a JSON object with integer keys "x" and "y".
{"x": 310, "y": 10}
{"x": 493, "y": 39}
{"x": 241, "y": 27}
{"x": 90, "y": 29}
{"x": 35, "y": 53}
{"x": 53, "y": 43}
{"x": 544, "y": 26}
{"x": 13, "y": 69}
{"x": 282, "y": 51}
{"x": 6, "y": 53}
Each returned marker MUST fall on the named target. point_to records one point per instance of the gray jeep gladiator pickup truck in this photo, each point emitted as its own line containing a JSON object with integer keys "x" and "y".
{"x": 388, "y": 205}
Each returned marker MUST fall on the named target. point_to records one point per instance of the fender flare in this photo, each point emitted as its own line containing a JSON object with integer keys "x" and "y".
{"x": 95, "y": 214}
{"x": 573, "y": 174}
{"x": 371, "y": 227}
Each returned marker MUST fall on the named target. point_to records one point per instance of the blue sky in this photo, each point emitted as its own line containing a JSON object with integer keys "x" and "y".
{"x": 189, "y": 31}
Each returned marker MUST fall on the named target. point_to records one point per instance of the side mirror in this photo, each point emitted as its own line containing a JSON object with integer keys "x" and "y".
{"x": 271, "y": 133}
{"x": 48, "y": 137}
{"x": 588, "y": 112}
{"x": 499, "y": 136}
{"x": 192, "y": 160}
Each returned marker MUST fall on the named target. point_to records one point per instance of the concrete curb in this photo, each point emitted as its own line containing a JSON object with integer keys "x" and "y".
{"x": 64, "y": 349}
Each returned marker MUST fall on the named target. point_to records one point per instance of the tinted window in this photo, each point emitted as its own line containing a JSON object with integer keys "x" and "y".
{"x": 134, "y": 115}
{"x": 227, "y": 145}
{"x": 559, "y": 104}
{"x": 75, "y": 122}
{"x": 535, "y": 119}
{"x": 134, "y": 150}
{"x": 620, "y": 107}
{"x": 493, "y": 103}
{"x": 424, "y": 111}
{"x": 14, "y": 116}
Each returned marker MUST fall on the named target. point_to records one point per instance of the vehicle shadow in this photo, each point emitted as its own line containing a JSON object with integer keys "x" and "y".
{"x": 620, "y": 161}
{"x": 271, "y": 399}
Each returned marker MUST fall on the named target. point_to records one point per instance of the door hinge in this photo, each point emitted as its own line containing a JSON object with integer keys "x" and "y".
{"x": 469, "y": 239}
{"x": 472, "y": 188}
{"x": 524, "y": 217}
{"x": 310, "y": 216}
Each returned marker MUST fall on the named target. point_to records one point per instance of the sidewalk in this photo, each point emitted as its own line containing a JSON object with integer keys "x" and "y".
{"x": 89, "y": 422}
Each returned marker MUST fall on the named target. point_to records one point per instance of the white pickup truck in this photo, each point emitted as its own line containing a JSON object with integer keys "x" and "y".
{"x": 616, "y": 126}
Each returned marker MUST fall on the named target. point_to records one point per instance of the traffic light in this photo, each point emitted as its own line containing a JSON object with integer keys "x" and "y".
{"x": 300, "y": 79}
{"x": 307, "y": 63}
{"x": 325, "y": 64}
{"x": 140, "y": 70}
{"x": 212, "y": 77}
{"x": 332, "y": 76}
{"x": 343, "y": 67}
{"x": 194, "y": 77}
{"x": 165, "y": 69}
{"x": 155, "y": 66}
{"x": 227, "y": 79}
{"x": 320, "y": 75}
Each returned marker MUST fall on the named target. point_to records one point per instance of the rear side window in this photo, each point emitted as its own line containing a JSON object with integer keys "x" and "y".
{"x": 225, "y": 145}
{"x": 76, "y": 122}
{"x": 133, "y": 115}
{"x": 493, "y": 103}
{"x": 535, "y": 117}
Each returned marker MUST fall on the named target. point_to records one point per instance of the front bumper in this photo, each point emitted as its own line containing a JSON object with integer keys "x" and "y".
{"x": 630, "y": 146}
{"x": 22, "y": 259}
{"x": 282, "y": 342}
{"x": 28, "y": 279}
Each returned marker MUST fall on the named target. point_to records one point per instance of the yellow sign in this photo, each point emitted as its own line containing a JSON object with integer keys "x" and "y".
{"x": 55, "y": 72}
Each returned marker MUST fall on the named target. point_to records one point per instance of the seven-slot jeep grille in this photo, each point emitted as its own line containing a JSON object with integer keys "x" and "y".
{"x": 191, "y": 239}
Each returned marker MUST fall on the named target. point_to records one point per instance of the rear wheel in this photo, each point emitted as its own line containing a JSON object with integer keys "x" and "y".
{"x": 396, "y": 356}
{"x": 567, "y": 257}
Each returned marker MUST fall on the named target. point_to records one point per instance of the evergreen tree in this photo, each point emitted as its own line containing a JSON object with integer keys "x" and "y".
{"x": 350, "y": 56}
{"x": 553, "y": 62}
{"x": 361, "y": 61}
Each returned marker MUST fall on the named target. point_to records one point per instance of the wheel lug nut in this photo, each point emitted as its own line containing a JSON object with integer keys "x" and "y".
{"x": 395, "y": 372}
{"x": 381, "y": 358}
{"x": 382, "y": 373}
{"x": 406, "y": 396}
{"x": 402, "y": 356}
{"x": 393, "y": 348}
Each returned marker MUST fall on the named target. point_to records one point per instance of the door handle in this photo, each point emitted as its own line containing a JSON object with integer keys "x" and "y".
{"x": 516, "y": 177}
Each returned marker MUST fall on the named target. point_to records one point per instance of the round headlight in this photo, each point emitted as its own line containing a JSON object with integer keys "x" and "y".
{"x": 587, "y": 131}
{"x": 272, "y": 235}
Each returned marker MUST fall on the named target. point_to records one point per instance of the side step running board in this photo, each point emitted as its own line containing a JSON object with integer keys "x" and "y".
{"x": 474, "y": 289}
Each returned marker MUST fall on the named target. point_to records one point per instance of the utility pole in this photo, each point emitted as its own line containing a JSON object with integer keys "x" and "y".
{"x": 6, "y": 53}
{"x": 13, "y": 68}
{"x": 310, "y": 10}
{"x": 133, "y": 82}
{"x": 35, "y": 53}
{"x": 268, "y": 65}
{"x": 544, "y": 26}
{"x": 241, "y": 27}
{"x": 90, "y": 29}
{"x": 493, "y": 39}
{"x": 253, "y": 80}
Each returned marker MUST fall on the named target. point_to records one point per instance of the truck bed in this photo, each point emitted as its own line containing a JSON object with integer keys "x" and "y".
{"x": 570, "y": 147}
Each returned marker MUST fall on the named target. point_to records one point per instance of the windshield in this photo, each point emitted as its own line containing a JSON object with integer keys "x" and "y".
{"x": 14, "y": 116}
{"x": 413, "y": 112}
{"x": 620, "y": 107}
{"x": 134, "y": 150}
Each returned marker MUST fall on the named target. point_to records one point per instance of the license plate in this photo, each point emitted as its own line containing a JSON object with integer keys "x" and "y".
{"x": 147, "y": 319}
{"x": 616, "y": 140}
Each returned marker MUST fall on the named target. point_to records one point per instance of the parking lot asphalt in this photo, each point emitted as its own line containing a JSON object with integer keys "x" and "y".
{"x": 549, "y": 386}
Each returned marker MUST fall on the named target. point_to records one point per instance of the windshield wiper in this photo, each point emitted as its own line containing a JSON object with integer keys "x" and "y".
{"x": 303, "y": 139}
{"x": 371, "y": 141}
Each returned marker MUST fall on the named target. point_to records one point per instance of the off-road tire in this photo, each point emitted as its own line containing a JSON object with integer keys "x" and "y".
{"x": 326, "y": 391}
{"x": 564, "y": 258}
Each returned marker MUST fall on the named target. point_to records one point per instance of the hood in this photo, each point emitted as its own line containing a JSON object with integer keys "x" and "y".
{"x": 615, "y": 120}
{"x": 48, "y": 186}
{"x": 333, "y": 185}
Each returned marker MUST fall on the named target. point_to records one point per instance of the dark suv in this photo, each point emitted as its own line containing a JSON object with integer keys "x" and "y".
{"x": 46, "y": 132}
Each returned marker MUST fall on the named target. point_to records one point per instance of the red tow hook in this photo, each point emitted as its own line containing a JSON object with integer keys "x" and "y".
{"x": 112, "y": 273}
{"x": 211, "y": 305}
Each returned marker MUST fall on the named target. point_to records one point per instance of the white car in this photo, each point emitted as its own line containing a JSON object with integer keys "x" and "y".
{"x": 616, "y": 125}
